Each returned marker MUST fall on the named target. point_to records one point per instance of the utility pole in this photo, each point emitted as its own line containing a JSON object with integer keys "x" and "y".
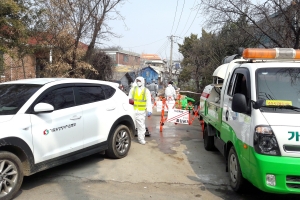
{"x": 171, "y": 53}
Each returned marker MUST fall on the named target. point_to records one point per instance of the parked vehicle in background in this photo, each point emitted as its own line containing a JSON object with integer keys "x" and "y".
{"x": 252, "y": 119}
{"x": 50, "y": 121}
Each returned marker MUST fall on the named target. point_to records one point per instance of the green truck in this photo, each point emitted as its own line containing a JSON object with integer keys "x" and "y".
{"x": 250, "y": 114}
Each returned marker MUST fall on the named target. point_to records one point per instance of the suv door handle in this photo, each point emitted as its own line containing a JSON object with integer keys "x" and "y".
{"x": 75, "y": 117}
{"x": 110, "y": 108}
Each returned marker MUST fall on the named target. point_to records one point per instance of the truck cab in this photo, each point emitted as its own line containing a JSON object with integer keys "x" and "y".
{"x": 254, "y": 123}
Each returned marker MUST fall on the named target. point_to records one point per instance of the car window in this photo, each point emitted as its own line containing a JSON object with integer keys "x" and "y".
{"x": 238, "y": 84}
{"x": 90, "y": 94}
{"x": 279, "y": 86}
{"x": 230, "y": 87}
{"x": 108, "y": 90}
{"x": 14, "y": 96}
{"x": 60, "y": 98}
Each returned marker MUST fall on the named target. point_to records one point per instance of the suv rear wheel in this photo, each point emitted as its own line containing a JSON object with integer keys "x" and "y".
{"x": 119, "y": 143}
{"x": 11, "y": 175}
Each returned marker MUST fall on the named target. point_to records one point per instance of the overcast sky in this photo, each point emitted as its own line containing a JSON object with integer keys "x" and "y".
{"x": 150, "y": 23}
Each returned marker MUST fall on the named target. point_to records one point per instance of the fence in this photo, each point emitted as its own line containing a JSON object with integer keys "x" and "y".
{"x": 177, "y": 114}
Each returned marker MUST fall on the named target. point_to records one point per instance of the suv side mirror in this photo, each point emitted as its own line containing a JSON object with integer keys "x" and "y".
{"x": 43, "y": 108}
{"x": 239, "y": 103}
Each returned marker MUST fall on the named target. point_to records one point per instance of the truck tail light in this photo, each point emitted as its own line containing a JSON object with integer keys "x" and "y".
{"x": 205, "y": 95}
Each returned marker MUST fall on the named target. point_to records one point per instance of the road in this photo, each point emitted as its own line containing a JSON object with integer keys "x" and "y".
{"x": 172, "y": 165}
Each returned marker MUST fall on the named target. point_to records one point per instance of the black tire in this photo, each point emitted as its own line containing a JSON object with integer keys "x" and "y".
{"x": 147, "y": 133}
{"x": 119, "y": 143}
{"x": 208, "y": 141}
{"x": 11, "y": 175}
{"x": 237, "y": 180}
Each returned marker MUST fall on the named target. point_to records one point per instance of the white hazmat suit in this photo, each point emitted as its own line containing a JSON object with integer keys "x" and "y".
{"x": 170, "y": 92}
{"x": 140, "y": 115}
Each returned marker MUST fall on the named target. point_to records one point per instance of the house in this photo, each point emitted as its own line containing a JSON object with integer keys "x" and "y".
{"x": 152, "y": 60}
{"x": 124, "y": 75}
{"x": 145, "y": 56}
{"x": 176, "y": 70}
{"x": 128, "y": 65}
{"x": 122, "y": 57}
{"x": 149, "y": 74}
{"x": 44, "y": 54}
{"x": 124, "y": 78}
{"x": 29, "y": 65}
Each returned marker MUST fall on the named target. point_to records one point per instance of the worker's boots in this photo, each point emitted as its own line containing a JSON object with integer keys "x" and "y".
{"x": 147, "y": 133}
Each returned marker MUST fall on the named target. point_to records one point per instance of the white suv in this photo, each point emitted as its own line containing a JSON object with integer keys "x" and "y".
{"x": 50, "y": 121}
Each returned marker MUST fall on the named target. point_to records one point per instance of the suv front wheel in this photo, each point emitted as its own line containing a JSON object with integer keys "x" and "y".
{"x": 119, "y": 143}
{"x": 11, "y": 175}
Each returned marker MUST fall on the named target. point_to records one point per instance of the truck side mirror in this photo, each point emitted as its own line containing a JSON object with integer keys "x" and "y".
{"x": 258, "y": 104}
{"x": 239, "y": 103}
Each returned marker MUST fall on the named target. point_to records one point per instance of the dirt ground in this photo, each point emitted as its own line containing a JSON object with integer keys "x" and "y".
{"x": 172, "y": 165}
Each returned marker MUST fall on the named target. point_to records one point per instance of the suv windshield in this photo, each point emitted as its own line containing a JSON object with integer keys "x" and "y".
{"x": 280, "y": 88}
{"x": 13, "y": 97}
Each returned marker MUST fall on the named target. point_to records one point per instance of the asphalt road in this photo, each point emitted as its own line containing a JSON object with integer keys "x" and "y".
{"x": 172, "y": 165}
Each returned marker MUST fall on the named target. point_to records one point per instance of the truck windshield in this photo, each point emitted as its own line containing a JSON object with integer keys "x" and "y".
{"x": 280, "y": 88}
{"x": 14, "y": 96}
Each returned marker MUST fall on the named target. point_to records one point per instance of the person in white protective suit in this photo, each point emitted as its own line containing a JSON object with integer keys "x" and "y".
{"x": 142, "y": 106}
{"x": 170, "y": 92}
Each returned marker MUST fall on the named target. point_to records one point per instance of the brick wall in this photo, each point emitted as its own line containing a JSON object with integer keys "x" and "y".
{"x": 14, "y": 68}
{"x": 125, "y": 59}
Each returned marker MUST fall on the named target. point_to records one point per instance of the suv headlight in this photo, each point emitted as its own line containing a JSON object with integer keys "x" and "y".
{"x": 265, "y": 141}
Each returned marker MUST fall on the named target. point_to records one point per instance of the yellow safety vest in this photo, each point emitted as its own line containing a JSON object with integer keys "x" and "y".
{"x": 139, "y": 99}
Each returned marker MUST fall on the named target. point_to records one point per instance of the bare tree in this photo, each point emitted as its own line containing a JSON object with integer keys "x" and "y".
{"x": 83, "y": 20}
{"x": 100, "y": 15}
{"x": 103, "y": 64}
{"x": 63, "y": 50}
{"x": 272, "y": 23}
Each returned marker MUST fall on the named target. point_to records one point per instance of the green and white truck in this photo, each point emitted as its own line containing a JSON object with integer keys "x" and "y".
{"x": 251, "y": 114}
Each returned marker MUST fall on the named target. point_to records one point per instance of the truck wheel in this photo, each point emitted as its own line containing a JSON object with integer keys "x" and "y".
{"x": 208, "y": 141}
{"x": 11, "y": 175}
{"x": 236, "y": 178}
{"x": 119, "y": 143}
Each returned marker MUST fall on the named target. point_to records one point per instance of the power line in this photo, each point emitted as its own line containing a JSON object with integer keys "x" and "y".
{"x": 180, "y": 16}
{"x": 145, "y": 44}
{"x": 162, "y": 45}
{"x": 162, "y": 48}
{"x": 166, "y": 52}
{"x": 174, "y": 17}
{"x": 193, "y": 20}
{"x": 163, "y": 51}
{"x": 187, "y": 19}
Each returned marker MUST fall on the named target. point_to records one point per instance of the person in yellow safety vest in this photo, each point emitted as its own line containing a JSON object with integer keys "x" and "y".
{"x": 142, "y": 106}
